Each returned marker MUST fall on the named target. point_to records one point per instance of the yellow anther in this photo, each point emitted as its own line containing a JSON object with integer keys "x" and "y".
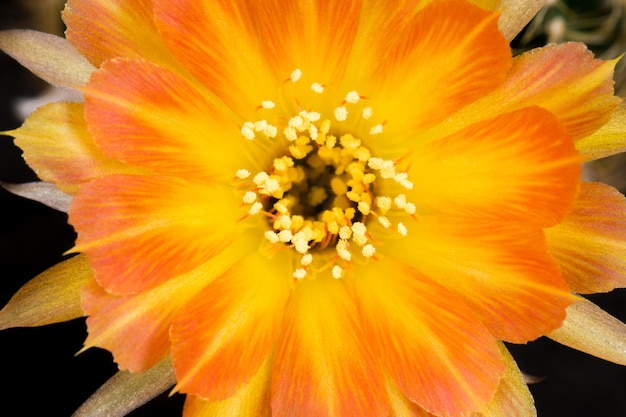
{"x": 317, "y": 195}
{"x": 350, "y": 142}
{"x": 338, "y": 186}
{"x": 282, "y": 164}
{"x": 362, "y": 154}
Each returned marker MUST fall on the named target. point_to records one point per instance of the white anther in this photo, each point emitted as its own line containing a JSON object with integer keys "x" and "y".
{"x": 368, "y": 250}
{"x": 352, "y": 97}
{"x": 400, "y": 201}
{"x": 271, "y": 236}
{"x": 375, "y": 163}
{"x": 242, "y": 174}
{"x": 313, "y": 133}
{"x": 260, "y": 125}
{"x": 410, "y": 208}
{"x": 407, "y": 184}
{"x": 402, "y": 229}
{"x": 383, "y": 202}
{"x": 300, "y": 241}
{"x": 268, "y": 104}
{"x": 375, "y": 130}
{"x": 285, "y": 236}
{"x": 360, "y": 240}
{"x": 272, "y": 185}
{"x": 295, "y": 75}
{"x": 388, "y": 169}
{"x": 260, "y": 178}
{"x": 345, "y": 232}
{"x": 313, "y": 116}
{"x": 283, "y": 222}
{"x": 345, "y": 254}
{"x": 367, "y": 113}
{"x": 359, "y": 228}
{"x": 249, "y": 197}
{"x": 270, "y": 131}
{"x": 337, "y": 272}
{"x": 296, "y": 122}
{"x": 247, "y": 130}
{"x": 255, "y": 209}
{"x": 290, "y": 133}
{"x": 364, "y": 208}
{"x": 306, "y": 259}
{"x": 384, "y": 221}
{"x": 341, "y": 113}
{"x": 317, "y": 88}
{"x": 299, "y": 273}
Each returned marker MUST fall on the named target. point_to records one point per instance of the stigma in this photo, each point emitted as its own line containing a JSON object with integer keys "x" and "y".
{"x": 321, "y": 196}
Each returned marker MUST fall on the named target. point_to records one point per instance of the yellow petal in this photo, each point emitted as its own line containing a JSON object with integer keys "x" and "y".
{"x": 592, "y": 330}
{"x": 126, "y": 391}
{"x": 252, "y": 400}
{"x": 49, "y": 57}
{"x": 512, "y": 397}
{"x": 609, "y": 140}
{"x": 51, "y": 297}
{"x": 515, "y": 15}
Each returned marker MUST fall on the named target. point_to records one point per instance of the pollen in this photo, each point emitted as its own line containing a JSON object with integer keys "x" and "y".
{"x": 317, "y": 88}
{"x": 321, "y": 198}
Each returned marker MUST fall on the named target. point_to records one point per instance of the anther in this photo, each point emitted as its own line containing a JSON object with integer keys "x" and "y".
{"x": 352, "y": 97}
{"x": 317, "y": 88}
{"x": 337, "y": 272}
{"x": 341, "y": 113}
{"x": 295, "y": 75}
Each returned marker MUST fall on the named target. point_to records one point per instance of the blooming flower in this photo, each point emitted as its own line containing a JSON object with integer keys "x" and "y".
{"x": 326, "y": 208}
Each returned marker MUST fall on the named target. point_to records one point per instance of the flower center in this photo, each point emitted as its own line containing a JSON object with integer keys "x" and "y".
{"x": 320, "y": 195}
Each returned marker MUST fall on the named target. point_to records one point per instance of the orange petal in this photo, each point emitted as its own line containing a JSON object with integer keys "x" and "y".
{"x": 512, "y": 397}
{"x": 430, "y": 343}
{"x": 564, "y": 79}
{"x": 58, "y": 147}
{"x": 590, "y": 243}
{"x": 135, "y": 328}
{"x": 606, "y": 141}
{"x": 105, "y": 29}
{"x": 217, "y": 42}
{"x": 322, "y": 365}
{"x": 150, "y": 117}
{"x": 250, "y": 401}
{"x": 502, "y": 270}
{"x": 222, "y": 337}
{"x": 140, "y": 231}
{"x": 51, "y": 297}
{"x": 518, "y": 166}
{"x": 447, "y": 55}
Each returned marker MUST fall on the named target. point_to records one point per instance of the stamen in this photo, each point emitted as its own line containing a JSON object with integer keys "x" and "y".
{"x": 337, "y": 272}
{"x": 268, "y": 104}
{"x": 367, "y": 113}
{"x": 352, "y": 97}
{"x": 247, "y": 130}
{"x": 242, "y": 174}
{"x": 317, "y": 88}
{"x": 341, "y": 113}
{"x": 299, "y": 273}
{"x": 402, "y": 229}
{"x": 375, "y": 130}
{"x": 295, "y": 75}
